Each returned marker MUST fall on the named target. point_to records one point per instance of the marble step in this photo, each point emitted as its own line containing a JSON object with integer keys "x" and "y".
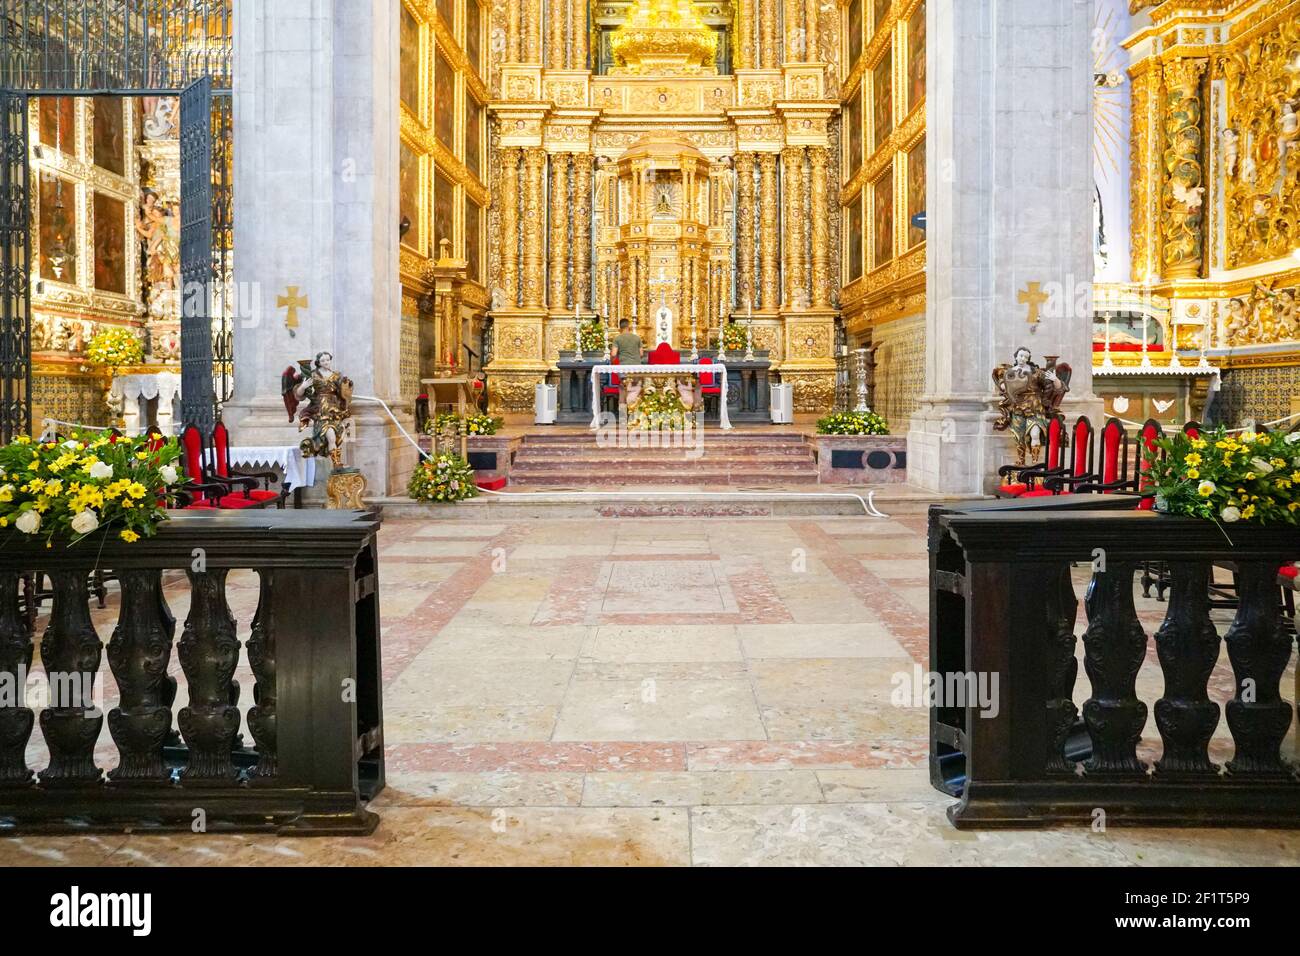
{"x": 709, "y": 452}
{"x": 708, "y": 463}
{"x": 568, "y": 479}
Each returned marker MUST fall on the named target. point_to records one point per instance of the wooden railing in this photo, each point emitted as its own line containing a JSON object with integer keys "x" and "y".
{"x": 316, "y": 753}
{"x": 1002, "y": 603}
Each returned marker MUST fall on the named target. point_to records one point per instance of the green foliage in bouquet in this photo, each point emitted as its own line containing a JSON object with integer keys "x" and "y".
{"x": 593, "y": 336}
{"x": 660, "y": 409}
{"x": 89, "y": 482}
{"x": 450, "y": 425}
{"x": 1229, "y": 478}
{"x": 733, "y": 334}
{"x": 853, "y": 423}
{"x": 115, "y": 345}
{"x": 445, "y": 478}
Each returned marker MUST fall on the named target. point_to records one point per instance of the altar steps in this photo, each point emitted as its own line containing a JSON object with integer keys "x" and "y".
{"x": 746, "y": 459}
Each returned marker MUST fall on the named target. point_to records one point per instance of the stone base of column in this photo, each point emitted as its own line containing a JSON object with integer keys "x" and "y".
{"x": 952, "y": 448}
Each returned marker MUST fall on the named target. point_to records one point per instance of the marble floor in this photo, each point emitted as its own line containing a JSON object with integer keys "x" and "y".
{"x": 658, "y": 692}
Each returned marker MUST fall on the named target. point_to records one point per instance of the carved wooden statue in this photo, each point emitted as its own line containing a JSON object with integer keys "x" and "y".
{"x": 1030, "y": 396}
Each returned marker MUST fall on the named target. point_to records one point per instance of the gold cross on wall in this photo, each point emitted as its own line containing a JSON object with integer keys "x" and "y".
{"x": 293, "y": 302}
{"x": 1033, "y": 296}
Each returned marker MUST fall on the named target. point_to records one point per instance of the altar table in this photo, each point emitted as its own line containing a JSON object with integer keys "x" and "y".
{"x": 717, "y": 368}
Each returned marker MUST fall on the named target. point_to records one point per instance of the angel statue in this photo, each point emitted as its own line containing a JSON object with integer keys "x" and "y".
{"x": 1030, "y": 396}
{"x": 319, "y": 397}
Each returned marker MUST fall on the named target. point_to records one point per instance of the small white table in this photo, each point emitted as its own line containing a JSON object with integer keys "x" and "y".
{"x": 717, "y": 368}
{"x": 299, "y": 471}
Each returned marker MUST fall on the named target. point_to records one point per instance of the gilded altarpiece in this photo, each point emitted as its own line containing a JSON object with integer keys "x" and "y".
{"x": 591, "y": 214}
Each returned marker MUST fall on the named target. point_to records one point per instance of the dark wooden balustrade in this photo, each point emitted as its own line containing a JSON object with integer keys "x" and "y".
{"x": 315, "y": 756}
{"x": 1002, "y": 603}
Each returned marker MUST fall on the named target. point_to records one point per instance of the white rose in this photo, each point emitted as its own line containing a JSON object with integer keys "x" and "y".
{"x": 71, "y": 444}
{"x": 1292, "y": 438}
{"x": 168, "y": 474}
{"x": 85, "y": 522}
{"x": 29, "y": 522}
{"x": 101, "y": 470}
{"x": 1230, "y": 514}
{"x": 1261, "y": 466}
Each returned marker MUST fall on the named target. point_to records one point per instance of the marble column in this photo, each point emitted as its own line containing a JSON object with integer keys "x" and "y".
{"x": 769, "y": 244}
{"x": 534, "y": 221}
{"x": 316, "y": 207}
{"x": 767, "y": 34}
{"x": 1010, "y": 203}
{"x": 533, "y": 31}
{"x": 582, "y": 163}
{"x": 796, "y": 213}
{"x": 559, "y": 295}
{"x": 558, "y": 21}
{"x": 819, "y": 162}
{"x": 745, "y": 35}
{"x": 509, "y": 199}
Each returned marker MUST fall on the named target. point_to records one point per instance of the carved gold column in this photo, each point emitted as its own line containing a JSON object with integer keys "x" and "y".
{"x": 533, "y": 31}
{"x": 819, "y": 160}
{"x": 1144, "y": 185}
{"x": 769, "y": 250}
{"x": 582, "y": 230}
{"x": 510, "y": 224}
{"x": 745, "y": 227}
{"x": 1182, "y": 222}
{"x": 793, "y": 31}
{"x": 534, "y": 222}
{"x": 557, "y": 16}
{"x": 579, "y": 59}
{"x": 744, "y": 35}
{"x": 810, "y": 31}
{"x": 767, "y": 34}
{"x": 559, "y": 298}
{"x": 514, "y": 44}
{"x": 796, "y": 215}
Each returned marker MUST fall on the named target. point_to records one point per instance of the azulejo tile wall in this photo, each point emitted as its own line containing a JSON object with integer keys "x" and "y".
{"x": 900, "y": 369}
{"x": 1262, "y": 394}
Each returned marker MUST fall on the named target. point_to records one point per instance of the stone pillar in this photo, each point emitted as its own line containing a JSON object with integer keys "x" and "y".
{"x": 819, "y": 161}
{"x": 534, "y": 221}
{"x": 745, "y": 35}
{"x": 558, "y": 21}
{"x": 559, "y": 295}
{"x": 509, "y": 198}
{"x": 767, "y": 34}
{"x": 533, "y": 31}
{"x": 1010, "y": 203}
{"x": 582, "y": 163}
{"x": 769, "y": 246}
{"x": 796, "y": 213}
{"x": 748, "y": 291}
{"x": 316, "y": 93}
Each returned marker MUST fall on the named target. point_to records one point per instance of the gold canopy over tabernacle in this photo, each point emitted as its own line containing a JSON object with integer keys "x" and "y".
{"x": 664, "y": 37}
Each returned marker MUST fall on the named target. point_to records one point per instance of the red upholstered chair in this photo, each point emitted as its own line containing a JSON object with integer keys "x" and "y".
{"x": 1026, "y": 480}
{"x": 199, "y": 491}
{"x": 611, "y": 387}
{"x": 710, "y": 384}
{"x": 246, "y": 481}
{"x": 664, "y": 354}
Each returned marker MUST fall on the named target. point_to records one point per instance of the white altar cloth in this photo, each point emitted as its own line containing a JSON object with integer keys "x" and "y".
{"x": 724, "y": 421}
{"x": 299, "y": 472}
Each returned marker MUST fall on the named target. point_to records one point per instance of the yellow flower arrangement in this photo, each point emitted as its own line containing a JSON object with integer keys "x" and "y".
{"x": 1246, "y": 483}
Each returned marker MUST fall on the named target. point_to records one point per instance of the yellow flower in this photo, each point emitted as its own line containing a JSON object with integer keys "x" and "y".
{"x": 141, "y": 455}
{"x": 1205, "y": 489}
{"x": 1248, "y": 511}
{"x": 1193, "y": 459}
{"x": 129, "y": 536}
{"x": 136, "y": 490}
{"x": 1193, "y": 473}
{"x": 1293, "y": 506}
{"x": 1198, "y": 443}
{"x": 1250, "y": 476}
{"x": 23, "y": 440}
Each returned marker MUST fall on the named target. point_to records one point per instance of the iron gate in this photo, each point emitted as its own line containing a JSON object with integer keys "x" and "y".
{"x": 124, "y": 48}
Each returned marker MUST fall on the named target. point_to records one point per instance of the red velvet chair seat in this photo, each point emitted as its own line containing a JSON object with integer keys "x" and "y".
{"x": 664, "y": 354}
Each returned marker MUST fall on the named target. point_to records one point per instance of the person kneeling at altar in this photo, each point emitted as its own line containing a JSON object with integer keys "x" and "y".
{"x": 627, "y": 345}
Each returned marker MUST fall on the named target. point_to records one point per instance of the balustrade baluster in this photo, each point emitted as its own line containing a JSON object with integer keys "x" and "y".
{"x": 1259, "y": 648}
{"x": 71, "y": 653}
{"x": 209, "y": 652}
{"x": 1063, "y": 667}
{"x": 1114, "y": 646}
{"x": 16, "y": 720}
{"x": 261, "y": 657}
{"x": 1188, "y": 647}
{"x": 138, "y": 654}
